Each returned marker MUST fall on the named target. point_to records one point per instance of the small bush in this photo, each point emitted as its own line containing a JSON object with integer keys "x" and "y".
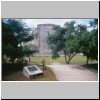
{"x": 43, "y": 63}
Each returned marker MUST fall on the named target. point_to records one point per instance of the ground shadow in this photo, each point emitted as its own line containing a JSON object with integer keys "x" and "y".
{"x": 92, "y": 66}
{"x": 8, "y": 68}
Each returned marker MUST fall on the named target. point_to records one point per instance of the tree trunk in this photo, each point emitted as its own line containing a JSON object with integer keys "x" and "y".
{"x": 87, "y": 60}
{"x": 12, "y": 62}
{"x": 66, "y": 58}
{"x": 97, "y": 58}
{"x": 29, "y": 59}
{"x": 70, "y": 58}
{"x": 20, "y": 60}
{"x": 68, "y": 61}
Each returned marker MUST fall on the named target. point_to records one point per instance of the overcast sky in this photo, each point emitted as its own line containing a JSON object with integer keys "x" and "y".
{"x": 34, "y": 22}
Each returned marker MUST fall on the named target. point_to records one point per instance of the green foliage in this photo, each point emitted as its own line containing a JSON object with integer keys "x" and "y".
{"x": 88, "y": 42}
{"x": 72, "y": 39}
{"x": 43, "y": 63}
{"x": 29, "y": 50}
{"x": 63, "y": 40}
{"x": 14, "y": 33}
{"x": 56, "y": 41}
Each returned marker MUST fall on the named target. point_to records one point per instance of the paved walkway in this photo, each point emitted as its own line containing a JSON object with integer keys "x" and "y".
{"x": 72, "y": 73}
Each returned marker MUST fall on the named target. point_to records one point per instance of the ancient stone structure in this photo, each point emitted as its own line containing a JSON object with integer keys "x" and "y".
{"x": 43, "y": 30}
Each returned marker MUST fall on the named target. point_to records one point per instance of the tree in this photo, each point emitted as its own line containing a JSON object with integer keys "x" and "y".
{"x": 29, "y": 50}
{"x": 94, "y": 39}
{"x": 14, "y": 33}
{"x": 85, "y": 45}
{"x": 93, "y": 47}
{"x": 71, "y": 47}
{"x": 83, "y": 40}
{"x": 63, "y": 40}
{"x": 72, "y": 39}
{"x": 56, "y": 41}
{"x": 88, "y": 40}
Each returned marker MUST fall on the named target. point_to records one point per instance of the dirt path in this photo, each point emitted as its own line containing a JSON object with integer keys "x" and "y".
{"x": 72, "y": 73}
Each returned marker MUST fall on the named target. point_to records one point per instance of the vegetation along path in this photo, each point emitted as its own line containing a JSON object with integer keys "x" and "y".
{"x": 73, "y": 72}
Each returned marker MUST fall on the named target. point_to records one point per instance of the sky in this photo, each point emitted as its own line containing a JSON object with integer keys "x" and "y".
{"x": 34, "y": 22}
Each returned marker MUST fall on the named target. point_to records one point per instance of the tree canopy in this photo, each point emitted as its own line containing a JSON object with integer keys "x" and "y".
{"x": 14, "y": 34}
{"x": 74, "y": 38}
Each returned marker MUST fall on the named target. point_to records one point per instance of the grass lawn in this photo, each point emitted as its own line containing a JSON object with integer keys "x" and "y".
{"x": 78, "y": 59}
